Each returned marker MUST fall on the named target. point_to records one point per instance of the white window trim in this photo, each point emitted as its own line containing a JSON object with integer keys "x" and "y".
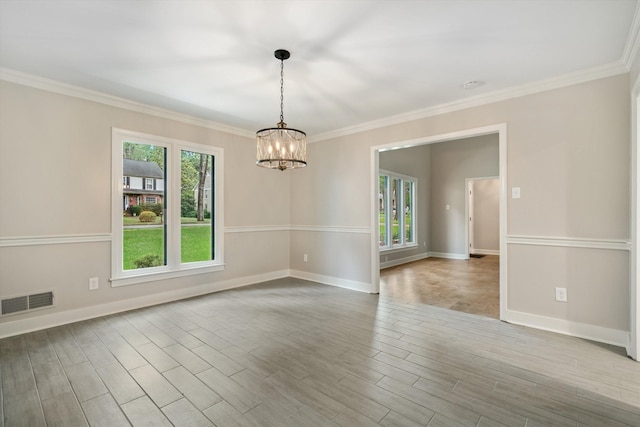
{"x": 174, "y": 267}
{"x": 391, "y": 247}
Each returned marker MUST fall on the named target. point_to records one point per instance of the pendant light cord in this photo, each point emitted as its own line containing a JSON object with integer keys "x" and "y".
{"x": 281, "y": 91}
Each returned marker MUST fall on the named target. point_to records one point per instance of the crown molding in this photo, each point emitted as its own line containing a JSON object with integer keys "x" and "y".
{"x": 607, "y": 70}
{"x": 633, "y": 41}
{"x": 30, "y": 80}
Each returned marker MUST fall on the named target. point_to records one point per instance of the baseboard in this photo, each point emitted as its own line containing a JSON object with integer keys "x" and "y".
{"x": 333, "y": 281}
{"x": 446, "y": 255}
{"x": 404, "y": 260}
{"x": 21, "y": 326}
{"x": 486, "y": 251}
{"x": 575, "y": 329}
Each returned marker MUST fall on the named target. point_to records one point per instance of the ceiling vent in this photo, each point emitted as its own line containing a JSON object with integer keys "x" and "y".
{"x": 25, "y": 303}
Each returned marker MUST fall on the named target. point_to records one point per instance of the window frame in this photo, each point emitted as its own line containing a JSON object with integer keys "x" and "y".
{"x": 174, "y": 267}
{"x": 390, "y": 246}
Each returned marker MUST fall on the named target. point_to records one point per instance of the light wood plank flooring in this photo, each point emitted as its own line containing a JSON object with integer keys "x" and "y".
{"x": 296, "y": 353}
{"x": 472, "y": 285}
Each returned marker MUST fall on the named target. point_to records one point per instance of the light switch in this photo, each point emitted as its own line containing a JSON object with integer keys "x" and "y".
{"x": 515, "y": 192}
{"x": 447, "y": 207}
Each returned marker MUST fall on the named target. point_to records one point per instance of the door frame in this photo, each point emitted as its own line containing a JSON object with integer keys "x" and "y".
{"x": 633, "y": 348}
{"x": 468, "y": 210}
{"x": 501, "y": 130}
{"x": 468, "y": 215}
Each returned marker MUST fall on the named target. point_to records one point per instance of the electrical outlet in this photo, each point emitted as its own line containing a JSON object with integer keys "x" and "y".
{"x": 94, "y": 283}
{"x": 305, "y": 258}
{"x": 561, "y": 294}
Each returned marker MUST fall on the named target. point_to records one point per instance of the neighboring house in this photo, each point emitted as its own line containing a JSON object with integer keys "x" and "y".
{"x": 206, "y": 202}
{"x": 142, "y": 182}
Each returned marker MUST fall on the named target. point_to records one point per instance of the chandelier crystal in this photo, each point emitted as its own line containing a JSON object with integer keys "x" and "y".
{"x": 281, "y": 147}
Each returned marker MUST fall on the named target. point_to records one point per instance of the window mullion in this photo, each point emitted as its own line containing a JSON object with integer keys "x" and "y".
{"x": 401, "y": 219}
{"x": 389, "y": 216}
{"x": 173, "y": 208}
{"x": 413, "y": 208}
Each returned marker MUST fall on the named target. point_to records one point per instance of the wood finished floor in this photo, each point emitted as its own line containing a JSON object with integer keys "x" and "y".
{"x": 295, "y": 353}
{"x": 471, "y": 286}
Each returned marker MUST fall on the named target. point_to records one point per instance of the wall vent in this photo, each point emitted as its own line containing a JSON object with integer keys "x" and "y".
{"x": 27, "y": 303}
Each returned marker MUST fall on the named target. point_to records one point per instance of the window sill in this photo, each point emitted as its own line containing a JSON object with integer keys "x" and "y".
{"x": 399, "y": 248}
{"x": 164, "y": 275}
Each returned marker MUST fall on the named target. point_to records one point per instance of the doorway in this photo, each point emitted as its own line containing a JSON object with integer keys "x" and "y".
{"x": 500, "y": 131}
{"x": 482, "y": 209}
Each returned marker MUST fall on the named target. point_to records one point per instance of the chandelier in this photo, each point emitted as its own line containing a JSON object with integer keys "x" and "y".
{"x": 281, "y": 147}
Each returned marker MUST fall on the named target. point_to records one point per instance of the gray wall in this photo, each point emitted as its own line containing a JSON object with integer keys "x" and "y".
{"x": 55, "y": 182}
{"x": 442, "y": 169}
{"x": 486, "y": 215}
{"x": 452, "y": 162}
{"x": 567, "y": 149}
{"x": 635, "y": 69}
{"x": 414, "y": 162}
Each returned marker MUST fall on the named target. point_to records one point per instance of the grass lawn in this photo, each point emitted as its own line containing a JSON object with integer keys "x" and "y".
{"x": 134, "y": 220}
{"x": 139, "y": 242}
{"x": 196, "y": 243}
{"x": 395, "y": 227}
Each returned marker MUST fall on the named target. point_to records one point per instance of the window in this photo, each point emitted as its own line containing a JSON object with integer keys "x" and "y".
{"x": 181, "y": 186}
{"x": 397, "y": 212}
{"x": 195, "y": 194}
{"x": 383, "y": 196}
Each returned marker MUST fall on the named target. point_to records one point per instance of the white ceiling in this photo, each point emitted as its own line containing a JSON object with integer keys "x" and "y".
{"x": 352, "y": 62}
